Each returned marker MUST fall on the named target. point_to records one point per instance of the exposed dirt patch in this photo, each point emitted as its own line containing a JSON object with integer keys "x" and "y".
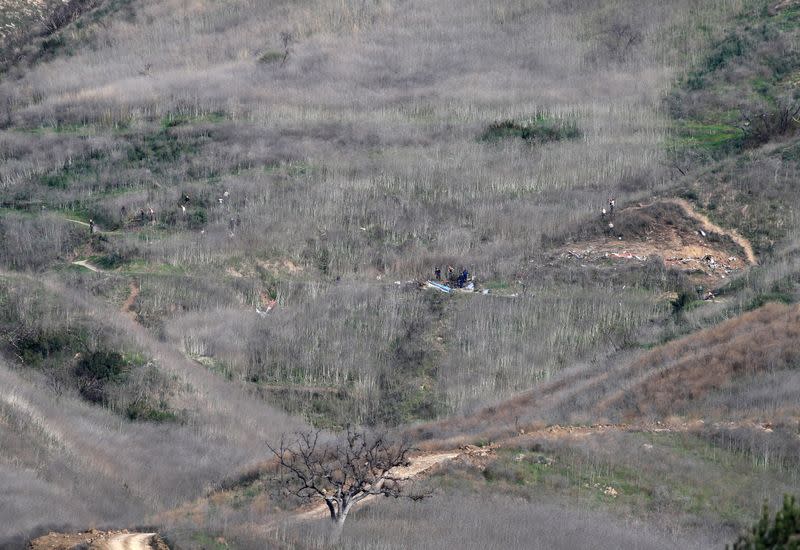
{"x": 672, "y": 231}
{"x": 286, "y": 265}
{"x": 127, "y": 305}
{"x": 99, "y": 540}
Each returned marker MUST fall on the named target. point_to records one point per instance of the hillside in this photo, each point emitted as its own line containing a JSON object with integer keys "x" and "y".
{"x": 217, "y": 220}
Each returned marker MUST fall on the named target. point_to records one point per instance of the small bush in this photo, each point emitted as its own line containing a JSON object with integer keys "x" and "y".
{"x": 270, "y": 56}
{"x": 101, "y": 365}
{"x": 780, "y": 119}
{"x": 145, "y": 411}
{"x": 542, "y": 128}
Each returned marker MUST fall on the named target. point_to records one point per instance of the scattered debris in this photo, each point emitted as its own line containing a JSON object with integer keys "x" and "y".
{"x": 439, "y": 286}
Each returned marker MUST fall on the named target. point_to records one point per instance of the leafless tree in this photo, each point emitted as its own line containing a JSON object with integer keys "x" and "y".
{"x": 345, "y": 471}
{"x": 620, "y": 37}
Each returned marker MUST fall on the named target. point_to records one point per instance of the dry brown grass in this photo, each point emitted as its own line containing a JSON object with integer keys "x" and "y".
{"x": 718, "y": 374}
{"x": 765, "y": 340}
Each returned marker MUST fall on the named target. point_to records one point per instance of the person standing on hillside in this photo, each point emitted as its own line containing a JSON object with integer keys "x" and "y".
{"x": 437, "y": 273}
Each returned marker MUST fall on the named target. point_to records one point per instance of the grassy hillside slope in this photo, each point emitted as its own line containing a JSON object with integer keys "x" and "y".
{"x": 212, "y": 211}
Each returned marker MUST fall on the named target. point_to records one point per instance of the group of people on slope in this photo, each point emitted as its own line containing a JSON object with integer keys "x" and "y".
{"x": 454, "y": 279}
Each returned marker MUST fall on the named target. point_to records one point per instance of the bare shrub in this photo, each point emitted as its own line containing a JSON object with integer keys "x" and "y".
{"x": 767, "y": 123}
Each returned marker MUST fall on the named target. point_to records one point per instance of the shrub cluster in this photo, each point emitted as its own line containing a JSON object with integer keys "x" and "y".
{"x": 542, "y": 128}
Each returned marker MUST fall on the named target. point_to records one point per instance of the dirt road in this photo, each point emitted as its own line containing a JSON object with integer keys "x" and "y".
{"x": 419, "y": 465}
{"x": 99, "y": 540}
{"x": 130, "y": 541}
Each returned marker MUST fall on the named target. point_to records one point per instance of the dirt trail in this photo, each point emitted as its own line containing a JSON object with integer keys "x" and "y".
{"x": 479, "y": 456}
{"x": 87, "y": 265}
{"x": 714, "y": 228}
{"x": 127, "y": 305}
{"x": 419, "y": 465}
{"x": 130, "y": 541}
{"x": 99, "y": 540}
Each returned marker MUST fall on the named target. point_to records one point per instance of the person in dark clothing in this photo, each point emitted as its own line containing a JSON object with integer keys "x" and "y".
{"x": 91, "y": 227}
{"x": 438, "y": 274}
{"x": 462, "y": 279}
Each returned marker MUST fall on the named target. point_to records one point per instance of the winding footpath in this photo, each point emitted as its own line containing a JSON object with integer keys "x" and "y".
{"x": 711, "y": 227}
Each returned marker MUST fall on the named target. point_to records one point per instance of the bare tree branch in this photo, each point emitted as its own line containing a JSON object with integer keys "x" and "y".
{"x": 344, "y": 471}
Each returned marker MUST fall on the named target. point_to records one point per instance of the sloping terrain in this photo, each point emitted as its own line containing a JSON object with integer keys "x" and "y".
{"x": 674, "y": 232}
{"x": 100, "y": 540}
{"x": 209, "y": 213}
{"x": 689, "y": 377}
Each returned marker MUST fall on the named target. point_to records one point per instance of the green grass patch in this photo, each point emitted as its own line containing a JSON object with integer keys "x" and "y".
{"x": 719, "y": 137}
{"x": 680, "y": 472}
{"x": 161, "y": 148}
{"x": 788, "y": 19}
{"x": 497, "y": 285}
{"x": 570, "y": 474}
{"x": 80, "y": 168}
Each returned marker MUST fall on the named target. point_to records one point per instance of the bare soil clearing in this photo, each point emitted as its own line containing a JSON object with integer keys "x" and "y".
{"x": 674, "y": 231}
{"x": 99, "y": 540}
{"x": 712, "y": 227}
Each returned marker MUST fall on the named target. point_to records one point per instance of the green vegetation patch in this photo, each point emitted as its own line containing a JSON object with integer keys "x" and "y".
{"x": 714, "y": 137}
{"x": 271, "y": 56}
{"x": 39, "y": 330}
{"x": 743, "y": 92}
{"x": 73, "y": 170}
{"x": 642, "y": 474}
{"x": 541, "y": 128}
